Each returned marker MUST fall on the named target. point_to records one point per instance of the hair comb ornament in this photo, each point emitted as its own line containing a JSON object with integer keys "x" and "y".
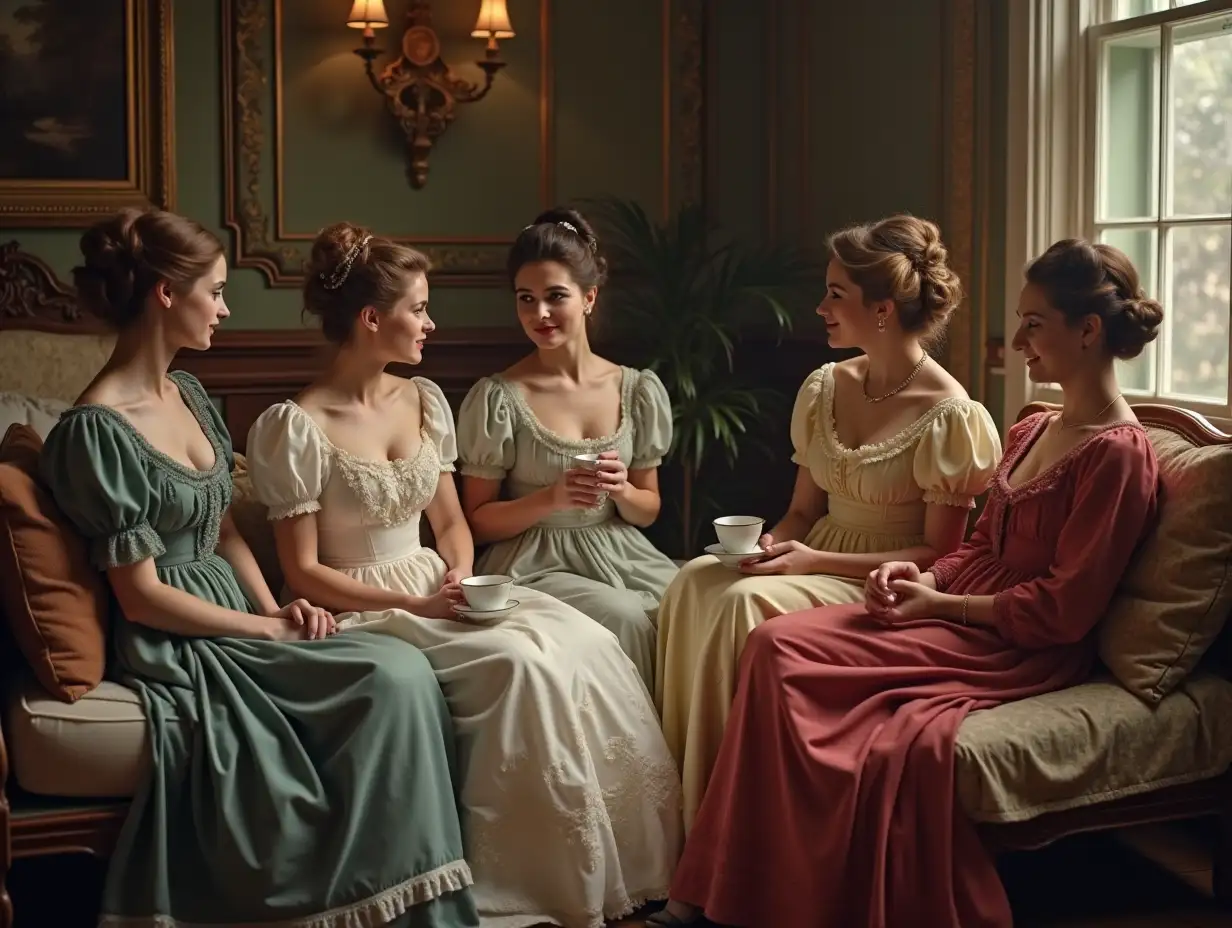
{"x": 338, "y": 276}
{"x": 586, "y": 239}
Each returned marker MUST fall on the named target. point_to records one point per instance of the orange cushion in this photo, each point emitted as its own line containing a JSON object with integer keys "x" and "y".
{"x": 56, "y": 603}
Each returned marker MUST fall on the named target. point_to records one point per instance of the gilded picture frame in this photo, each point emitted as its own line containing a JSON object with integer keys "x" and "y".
{"x": 87, "y": 106}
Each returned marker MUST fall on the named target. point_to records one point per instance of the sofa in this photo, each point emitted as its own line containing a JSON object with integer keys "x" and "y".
{"x": 1148, "y": 738}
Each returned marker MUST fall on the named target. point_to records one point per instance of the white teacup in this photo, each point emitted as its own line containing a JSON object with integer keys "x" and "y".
{"x": 589, "y": 462}
{"x": 487, "y": 592}
{"x": 739, "y": 534}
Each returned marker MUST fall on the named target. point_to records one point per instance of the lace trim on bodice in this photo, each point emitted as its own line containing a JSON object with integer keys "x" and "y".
{"x": 571, "y": 446}
{"x": 211, "y": 484}
{"x": 1003, "y": 496}
{"x": 826, "y": 427}
{"x": 1048, "y": 479}
{"x": 389, "y": 492}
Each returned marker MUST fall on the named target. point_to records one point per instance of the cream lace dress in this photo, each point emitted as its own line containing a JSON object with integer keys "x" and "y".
{"x": 570, "y": 799}
{"x": 876, "y": 500}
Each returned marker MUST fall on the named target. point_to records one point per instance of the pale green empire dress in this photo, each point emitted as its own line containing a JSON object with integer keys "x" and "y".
{"x": 590, "y": 558}
{"x": 297, "y": 784}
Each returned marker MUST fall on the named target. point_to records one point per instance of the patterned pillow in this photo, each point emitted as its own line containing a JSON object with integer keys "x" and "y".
{"x": 1174, "y": 599}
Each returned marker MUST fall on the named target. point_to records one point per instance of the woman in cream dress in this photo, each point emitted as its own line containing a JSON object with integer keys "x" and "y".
{"x": 891, "y": 456}
{"x": 570, "y": 801}
{"x": 558, "y": 528}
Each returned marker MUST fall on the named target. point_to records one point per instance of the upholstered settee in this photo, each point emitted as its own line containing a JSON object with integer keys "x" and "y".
{"x": 1148, "y": 739}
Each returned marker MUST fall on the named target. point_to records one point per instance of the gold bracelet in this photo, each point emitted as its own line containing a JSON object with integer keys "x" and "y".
{"x": 966, "y": 600}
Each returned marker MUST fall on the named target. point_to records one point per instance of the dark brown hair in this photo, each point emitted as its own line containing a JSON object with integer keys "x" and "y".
{"x": 126, "y": 255}
{"x": 1080, "y": 279}
{"x": 902, "y": 259}
{"x": 564, "y": 236}
{"x": 351, "y": 268}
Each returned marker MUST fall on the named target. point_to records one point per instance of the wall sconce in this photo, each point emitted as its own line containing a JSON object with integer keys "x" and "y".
{"x": 419, "y": 88}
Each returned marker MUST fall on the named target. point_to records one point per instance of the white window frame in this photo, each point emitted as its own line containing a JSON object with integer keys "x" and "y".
{"x": 1052, "y": 149}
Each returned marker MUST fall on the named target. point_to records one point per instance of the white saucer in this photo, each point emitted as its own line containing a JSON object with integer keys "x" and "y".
{"x": 485, "y": 616}
{"x": 733, "y": 561}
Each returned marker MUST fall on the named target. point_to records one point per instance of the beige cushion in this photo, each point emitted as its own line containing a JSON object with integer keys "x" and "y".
{"x": 1089, "y": 744}
{"x": 51, "y": 364}
{"x": 93, "y": 747}
{"x": 40, "y": 413}
{"x": 1175, "y": 597}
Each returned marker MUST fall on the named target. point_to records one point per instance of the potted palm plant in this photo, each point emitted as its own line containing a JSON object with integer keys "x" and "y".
{"x": 685, "y": 297}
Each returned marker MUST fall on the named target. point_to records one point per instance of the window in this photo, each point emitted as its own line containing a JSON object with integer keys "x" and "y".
{"x": 1119, "y": 129}
{"x": 1157, "y": 115}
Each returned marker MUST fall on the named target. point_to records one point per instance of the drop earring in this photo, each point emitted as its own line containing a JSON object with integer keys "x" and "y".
{"x": 881, "y": 323}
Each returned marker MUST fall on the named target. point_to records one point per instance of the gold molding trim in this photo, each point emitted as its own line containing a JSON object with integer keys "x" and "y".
{"x": 958, "y": 186}
{"x": 546, "y": 74}
{"x": 690, "y": 100}
{"x": 261, "y": 242}
{"x": 280, "y": 256}
{"x": 150, "y": 111}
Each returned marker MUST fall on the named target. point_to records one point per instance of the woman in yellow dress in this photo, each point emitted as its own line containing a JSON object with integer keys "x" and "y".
{"x": 891, "y": 454}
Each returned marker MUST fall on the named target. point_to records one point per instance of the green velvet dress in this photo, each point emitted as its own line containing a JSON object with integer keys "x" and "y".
{"x": 305, "y": 784}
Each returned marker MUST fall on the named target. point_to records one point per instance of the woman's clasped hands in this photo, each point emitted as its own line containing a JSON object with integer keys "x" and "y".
{"x": 302, "y": 621}
{"x": 898, "y": 592}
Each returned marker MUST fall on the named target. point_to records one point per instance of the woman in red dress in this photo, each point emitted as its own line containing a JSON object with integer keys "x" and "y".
{"x": 832, "y": 802}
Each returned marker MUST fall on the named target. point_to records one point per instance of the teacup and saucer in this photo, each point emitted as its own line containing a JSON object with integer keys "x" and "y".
{"x": 738, "y": 540}
{"x": 487, "y": 599}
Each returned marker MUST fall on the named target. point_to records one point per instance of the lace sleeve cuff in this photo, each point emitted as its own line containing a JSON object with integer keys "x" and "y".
{"x": 128, "y": 547}
{"x": 292, "y": 510}
{"x": 943, "y": 498}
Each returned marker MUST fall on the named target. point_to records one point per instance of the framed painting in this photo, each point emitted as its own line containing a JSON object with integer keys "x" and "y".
{"x": 86, "y": 114}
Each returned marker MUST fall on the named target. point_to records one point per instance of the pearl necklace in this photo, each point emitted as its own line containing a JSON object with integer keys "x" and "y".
{"x": 885, "y": 396}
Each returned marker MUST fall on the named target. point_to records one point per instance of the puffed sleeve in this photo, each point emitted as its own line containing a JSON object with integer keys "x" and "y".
{"x": 438, "y": 422}
{"x": 98, "y": 477}
{"x": 803, "y": 414}
{"x": 485, "y": 432}
{"x": 652, "y": 421}
{"x": 288, "y": 461}
{"x": 946, "y": 568}
{"x": 1115, "y": 501}
{"x": 957, "y": 455}
{"x": 192, "y": 386}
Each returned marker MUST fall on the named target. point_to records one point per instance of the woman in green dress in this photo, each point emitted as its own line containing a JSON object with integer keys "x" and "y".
{"x": 297, "y": 777}
{"x": 570, "y": 531}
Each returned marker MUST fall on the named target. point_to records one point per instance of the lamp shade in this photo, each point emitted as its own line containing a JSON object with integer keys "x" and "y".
{"x": 368, "y": 14}
{"x": 493, "y": 21}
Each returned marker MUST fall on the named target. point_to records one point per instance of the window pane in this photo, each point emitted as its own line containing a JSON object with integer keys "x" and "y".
{"x": 1199, "y": 299}
{"x": 1202, "y": 118}
{"x": 1140, "y": 245}
{"x": 1124, "y": 9}
{"x": 1129, "y": 143}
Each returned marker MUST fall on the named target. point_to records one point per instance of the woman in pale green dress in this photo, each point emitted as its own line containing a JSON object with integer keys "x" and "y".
{"x": 297, "y": 777}
{"x": 553, "y": 525}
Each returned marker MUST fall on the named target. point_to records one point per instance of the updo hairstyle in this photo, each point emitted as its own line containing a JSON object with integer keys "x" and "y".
{"x": 565, "y": 237}
{"x": 351, "y": 268}
{"x": 1081, "y": 279}
{"x": 902, "y": 259}
{"x": 126, "y": 255}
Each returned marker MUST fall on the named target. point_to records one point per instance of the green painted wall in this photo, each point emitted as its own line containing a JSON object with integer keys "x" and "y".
{"x": 819, "y": 115}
